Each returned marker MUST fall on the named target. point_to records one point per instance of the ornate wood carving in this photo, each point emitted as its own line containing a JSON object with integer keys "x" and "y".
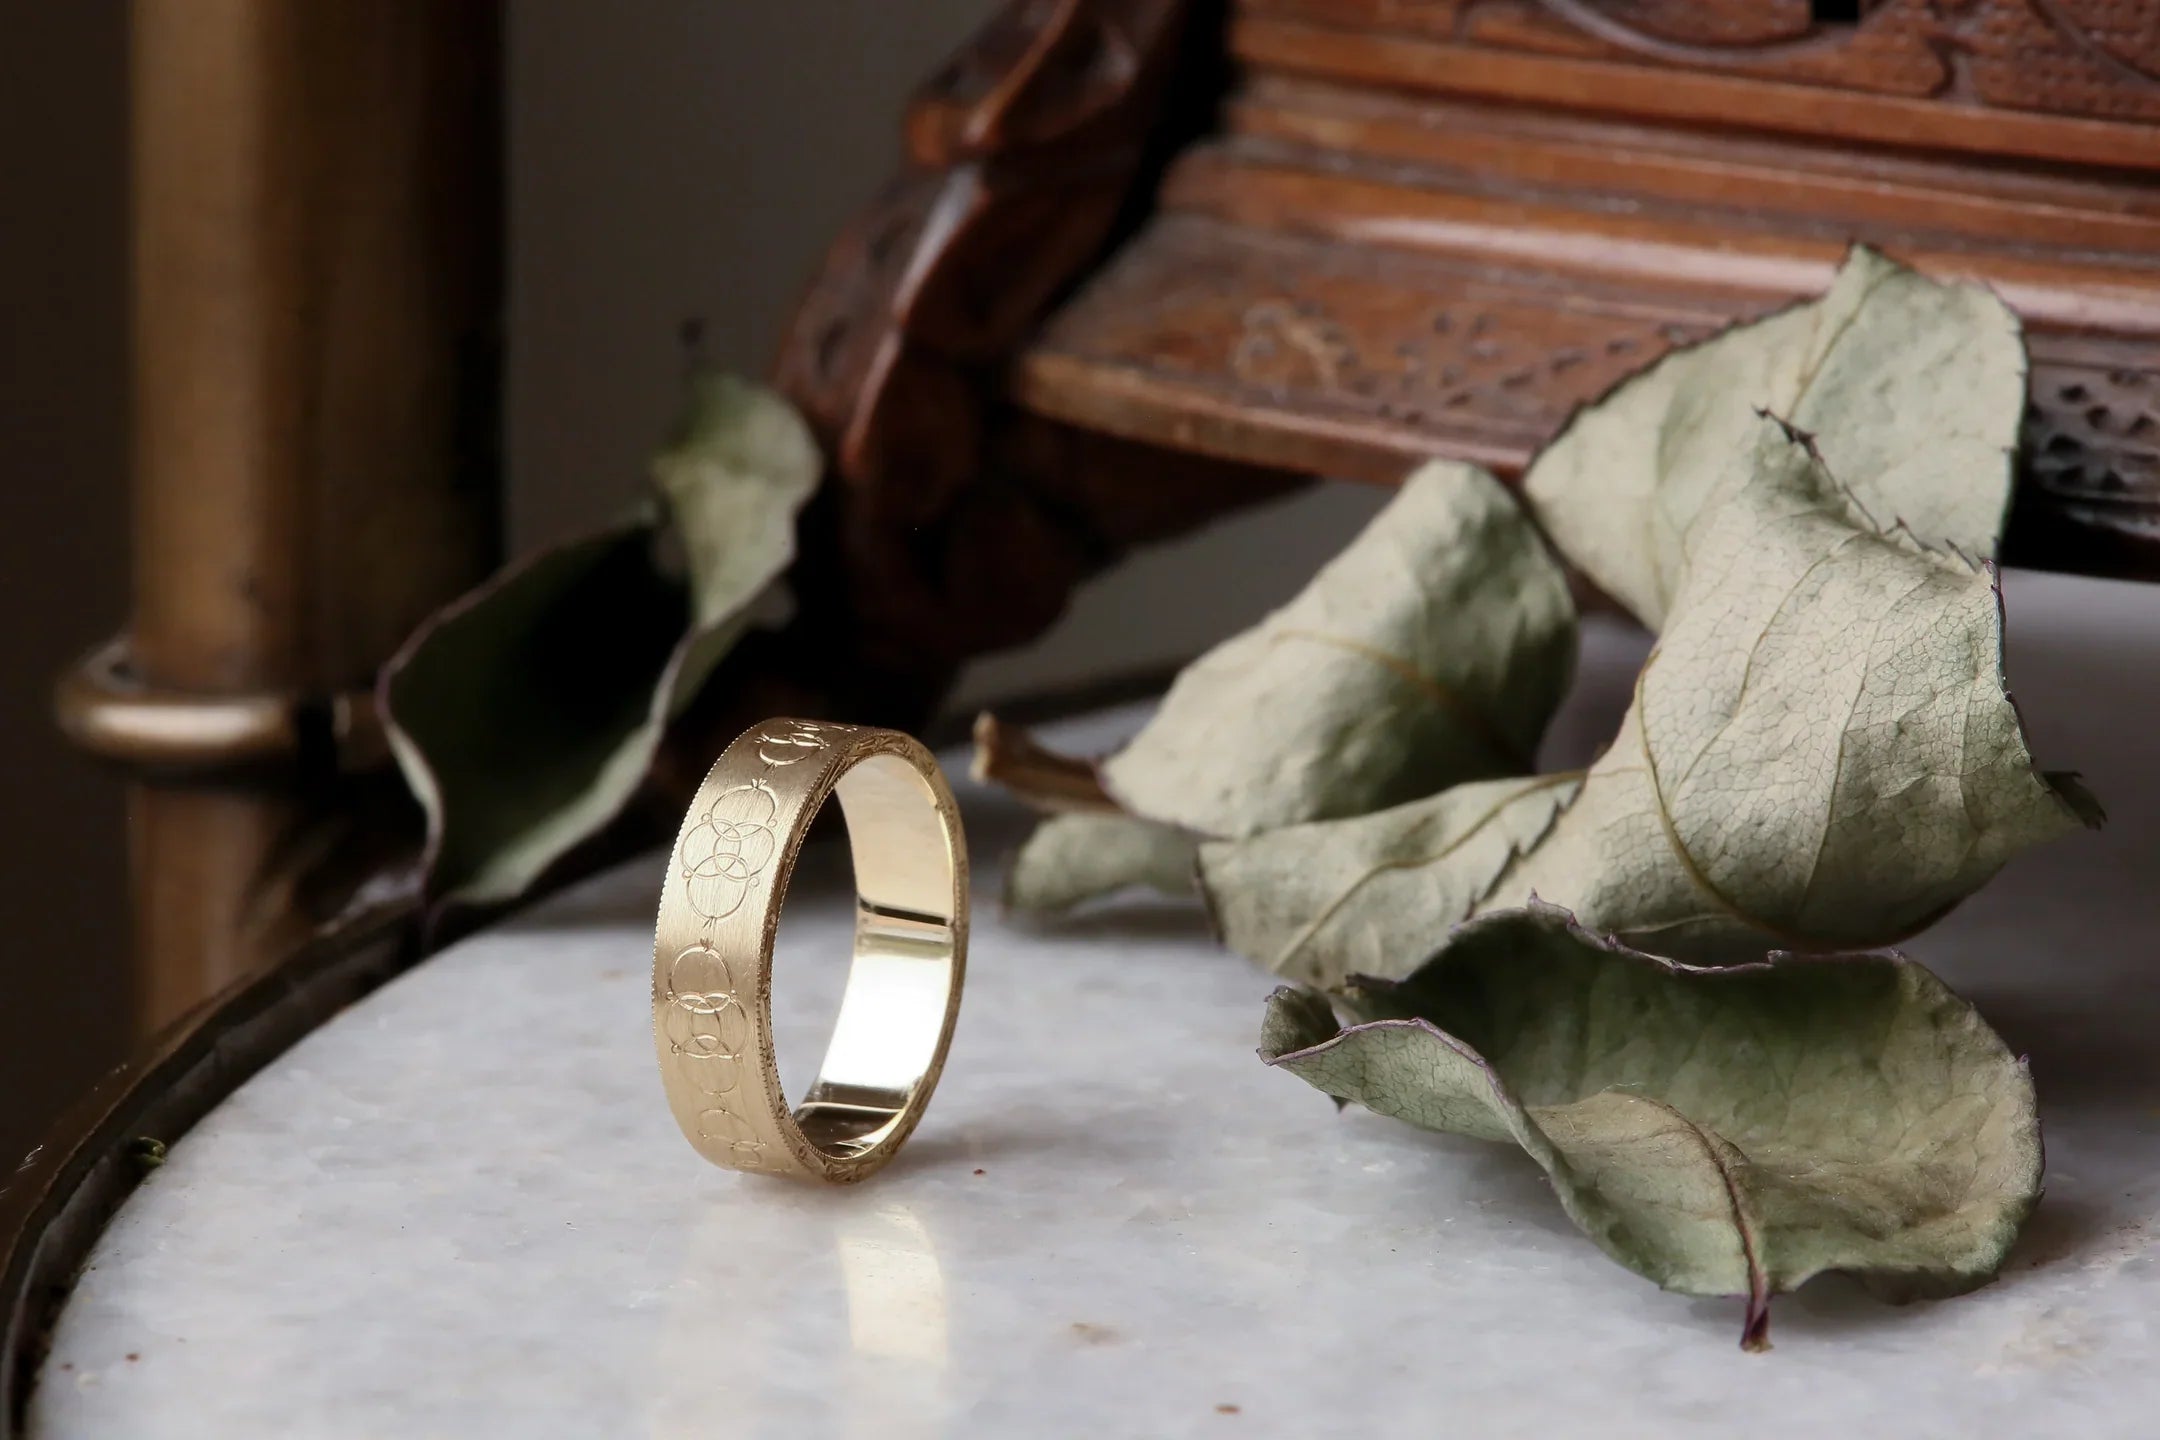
{"x": 2092, "y": 456}
{"x": 1347, "y": 278}
{"x": 955, "y": 525}
{"x": 1356, "y": 361}
{"x": 2067, "y": 80}
{"x": 2095, "y": 58}
{"x": 1360, "y": 260}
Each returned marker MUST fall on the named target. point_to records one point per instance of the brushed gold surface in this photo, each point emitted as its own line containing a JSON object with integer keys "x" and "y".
{"x": 713, "y": 950}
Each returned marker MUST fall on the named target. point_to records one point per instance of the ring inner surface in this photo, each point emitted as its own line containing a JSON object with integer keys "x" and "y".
{"x": 893, "y": 1010}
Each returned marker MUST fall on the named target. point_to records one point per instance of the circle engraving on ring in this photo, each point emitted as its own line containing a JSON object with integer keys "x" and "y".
{"x": 699, "y": 979}
{"x": 727, "y": 877}
{"x": 700, "y": 1033}
{"x": 705, "y": 1025}
{"x": 712, "y": 1074}
{"x": 729, "y": 848}
{"x": 788, "y": 743}
{"x": 725, "y": 1125}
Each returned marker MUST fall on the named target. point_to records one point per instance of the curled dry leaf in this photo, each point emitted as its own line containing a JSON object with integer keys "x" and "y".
{"x": 1913, "y": 390}
{"x": 1081, "y": 856}
{"x": 525, "y": 715}
{"x": 1433, "y": 650}
{"x": 1318, "y": 903}
{"x": 1820, "y": 755}
{"x": 1721, "y": 1132}
{"x": 1086, "y": 848}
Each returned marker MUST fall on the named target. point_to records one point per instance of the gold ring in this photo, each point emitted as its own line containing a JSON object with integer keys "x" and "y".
{"x": 713, "y": 950}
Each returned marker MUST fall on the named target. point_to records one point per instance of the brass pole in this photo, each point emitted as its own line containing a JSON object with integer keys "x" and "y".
{"x": 317, "y": 293}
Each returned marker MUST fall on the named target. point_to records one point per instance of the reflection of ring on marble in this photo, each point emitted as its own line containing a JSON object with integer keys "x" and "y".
{"x": 713, "y": 952}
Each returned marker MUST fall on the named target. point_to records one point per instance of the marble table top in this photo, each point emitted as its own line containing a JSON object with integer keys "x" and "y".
{"x": 461, "y": 1209}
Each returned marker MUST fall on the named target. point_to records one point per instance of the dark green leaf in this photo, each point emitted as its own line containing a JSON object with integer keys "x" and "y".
{"x": 526, "y": 714}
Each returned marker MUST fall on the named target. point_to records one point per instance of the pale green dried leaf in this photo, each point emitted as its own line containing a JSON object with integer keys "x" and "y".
{"x": 1370, "y": 894}
{"x": 1432, "y": 650}
{"x": 1820, "y": 754}
{"x": 741, "y": 466}
{"x": 1913, "y": 389}
{"x": 525, "y": 715}
{"x": 1074, "y": 858}
{"x": 1721, "y": 1132}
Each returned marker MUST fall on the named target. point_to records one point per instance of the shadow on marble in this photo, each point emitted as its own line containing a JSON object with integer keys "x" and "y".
{"x": 980, "y": 1146}
{"x": 1838, "y": 1307}
{"x": 1829, "y": 1307}
{"x": 1499, "y": 1179}
{"x": 2064, "y": 1229}
{"x": 1123, "y": 918}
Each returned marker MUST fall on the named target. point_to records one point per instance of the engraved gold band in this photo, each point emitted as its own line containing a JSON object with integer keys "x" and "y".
{"x": 713, "y": 950}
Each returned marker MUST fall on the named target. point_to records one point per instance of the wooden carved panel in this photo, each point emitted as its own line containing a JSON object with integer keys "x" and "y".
{"x": 1973, "y": 67}
{"x": 1358, "y": 362}
{"x": 951, "y": 528}
{"x": 1752, "y": 182}
{"x": 1097, "y": 307}
{"x": 2092, "y": 457}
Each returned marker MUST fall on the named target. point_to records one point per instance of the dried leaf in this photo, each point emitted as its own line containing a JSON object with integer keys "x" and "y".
{"x": 741, "y": 466}
{"x": 1820, "y": 754}
{"x": 1370, "y": 895}
{"x": 1433, "y": 650}
{"x": 1074, "y": 858}
{"x": 1088, "y": 848}
{"x": 525, "y": 714}
{"x": 1913, "y": 390}
{"x": 1721, "y": 1132}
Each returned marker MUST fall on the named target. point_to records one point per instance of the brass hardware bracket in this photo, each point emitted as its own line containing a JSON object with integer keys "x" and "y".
{"x": 107, "y": 710}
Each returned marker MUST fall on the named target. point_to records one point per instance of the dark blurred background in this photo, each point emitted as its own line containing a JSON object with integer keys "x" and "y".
{"x": 63, "y": 529}
{"x": 669, "y": 160}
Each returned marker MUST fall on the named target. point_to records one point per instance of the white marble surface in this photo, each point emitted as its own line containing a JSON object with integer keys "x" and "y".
{"x": 462, "y": 1208}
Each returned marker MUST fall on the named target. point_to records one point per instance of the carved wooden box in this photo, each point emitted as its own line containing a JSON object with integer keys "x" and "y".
{"x": 1151, "y": 259}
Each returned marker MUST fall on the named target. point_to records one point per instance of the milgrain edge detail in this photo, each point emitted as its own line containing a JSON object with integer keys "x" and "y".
{"x": 713, "y": 945}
